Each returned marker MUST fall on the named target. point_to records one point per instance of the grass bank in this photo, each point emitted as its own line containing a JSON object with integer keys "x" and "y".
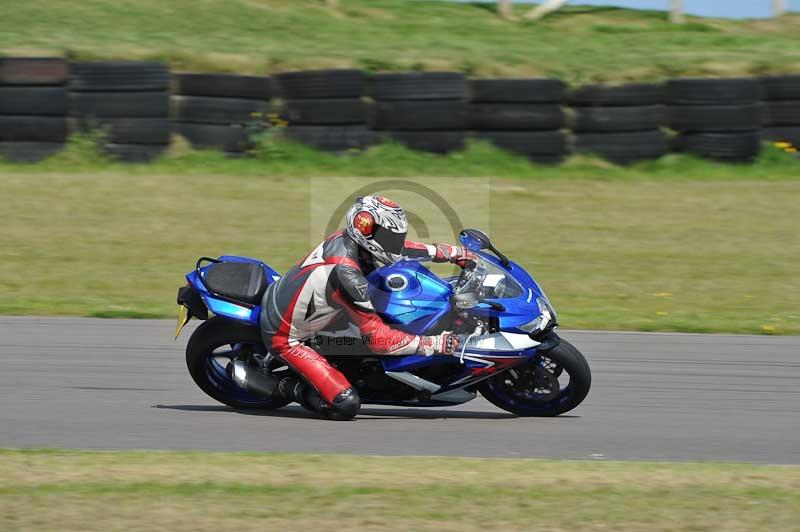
{"x": 276, "y": 157}
{"x": 577, "y": 44}
{"x": 636, "y": 248}
{"x": 71, "y": 490}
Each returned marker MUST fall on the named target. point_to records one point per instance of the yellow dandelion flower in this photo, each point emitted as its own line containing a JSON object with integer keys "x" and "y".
{"x": 662, "y": 313}
{"x": 782, "y": 145}
{"x": 663, "y": 294}
{"x": 791, "y": 150}
{"x": 768, "y": 328}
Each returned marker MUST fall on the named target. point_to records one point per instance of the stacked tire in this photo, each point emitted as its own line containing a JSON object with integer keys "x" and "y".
{"x": 33, "y": 108}
{"x": 426, "y": 111}
{"x": 127, "y": 101}
{"x": 717, "y": 118}
{"x": 325, "y": 109}
{"x": 620, "y": 123}
{"x": 782, "y": 109}
{"x": 220, "y": 111}
{"x": 523, "y": 116}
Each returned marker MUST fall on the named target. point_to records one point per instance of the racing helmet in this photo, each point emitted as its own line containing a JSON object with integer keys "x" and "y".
{"x": 379, "y": 226}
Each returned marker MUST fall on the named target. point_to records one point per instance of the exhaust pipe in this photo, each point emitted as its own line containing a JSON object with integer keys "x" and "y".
{"x": 253, "y": 381}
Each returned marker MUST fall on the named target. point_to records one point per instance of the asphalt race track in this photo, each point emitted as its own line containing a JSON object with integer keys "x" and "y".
{"x": 122, "y": 384}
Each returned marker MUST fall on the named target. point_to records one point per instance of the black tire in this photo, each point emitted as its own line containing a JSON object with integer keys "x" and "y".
{"x": 419, "y": 86}
{"x": 782, "y": 113}
{"x": 783, "y": 134}
{"x": 39, "y": 101}
{"x": 420, "y": 115}
{"x": 33, "y": 128}
{"x": 135, "y": 153}
{"x": 431, "y": 141}
{"x": 619, "y": 119}
{"x": 115, "y": 76}
{"x": 731, "y": 91}
{"x": 632, "y": 94}
{"x": 716, "y": 117}
{"x": 228, "y": 138}
{"x": 781, "y": 87}
{"x": 29, "y": 152}
{"x": 33, "y": 71}
{"x": 515, "y": 116}
{"x": 742, "y": 146}
{"x": 325, "y": 112}
{"x": 222, "y": 86}
{"x": 530, "y": 90}
{"x": 131, "y": 130}
{"x": 548, "y": 160}
{"x": 321, "y": 84}
{"x": 528, "y": 143}
{"x": 214, "y": 333}
{"x": 202, "y": 110}
{"x": 572, "y": 363}
{"x": 119, "y": 104}
{"x": 623, "y": 148}
{"x": 332, "y": 138}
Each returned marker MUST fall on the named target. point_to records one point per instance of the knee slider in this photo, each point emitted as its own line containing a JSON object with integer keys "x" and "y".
{"x": 347, "y": 404}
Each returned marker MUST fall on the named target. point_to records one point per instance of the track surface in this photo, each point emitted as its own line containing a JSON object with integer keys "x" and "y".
{"x": 122, "y": 384}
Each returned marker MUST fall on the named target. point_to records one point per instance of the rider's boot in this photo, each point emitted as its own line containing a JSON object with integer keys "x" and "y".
{"x": 343, "y": 407}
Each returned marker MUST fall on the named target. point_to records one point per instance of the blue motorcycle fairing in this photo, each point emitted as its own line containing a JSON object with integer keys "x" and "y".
{"x": 519, "y": 310}
{"x": 409, "y": 296}
{"x": 225, "y": 308}
{"x": 424, "y": 300}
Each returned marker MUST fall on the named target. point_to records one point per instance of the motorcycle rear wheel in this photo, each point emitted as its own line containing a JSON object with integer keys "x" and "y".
{"x": 533, "y": 390}
{"x": 211, "y": 343}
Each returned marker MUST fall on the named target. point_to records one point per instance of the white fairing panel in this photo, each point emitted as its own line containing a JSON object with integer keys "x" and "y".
{"x": 502, "y": 341}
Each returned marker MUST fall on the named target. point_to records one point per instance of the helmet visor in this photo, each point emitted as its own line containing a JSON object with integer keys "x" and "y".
{"x": 390, "y": 241}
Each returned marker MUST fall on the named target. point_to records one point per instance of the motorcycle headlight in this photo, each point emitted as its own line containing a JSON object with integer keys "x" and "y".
{"x": 546, "y": 316}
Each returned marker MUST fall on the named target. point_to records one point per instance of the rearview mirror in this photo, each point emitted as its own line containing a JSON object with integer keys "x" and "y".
{"x": 475, "y": 240}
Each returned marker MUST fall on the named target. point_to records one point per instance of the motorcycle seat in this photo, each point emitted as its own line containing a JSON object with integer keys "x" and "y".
{"x": 240, "y": 281}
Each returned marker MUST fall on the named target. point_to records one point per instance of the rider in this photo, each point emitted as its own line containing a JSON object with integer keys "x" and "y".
{"x": 331, "y": 280}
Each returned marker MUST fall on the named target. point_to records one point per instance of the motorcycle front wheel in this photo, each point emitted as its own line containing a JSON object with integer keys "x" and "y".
{"x": 214, "y": 345}
{"x": 551, "y": 384}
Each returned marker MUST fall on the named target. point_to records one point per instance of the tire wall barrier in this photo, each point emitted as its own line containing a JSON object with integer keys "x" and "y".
{"x": 782, "y": 109}
{"x": 523, "y": 116}
{"x": 220, "y": 111}
{"x": 138, "y": 106}
{"x": 127, "y": 101}
{"x": 33, "y": 108}
{"x": 325, "y": 109}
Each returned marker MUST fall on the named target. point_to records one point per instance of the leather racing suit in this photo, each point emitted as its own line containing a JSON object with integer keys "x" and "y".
{"x": 327, "y": 282}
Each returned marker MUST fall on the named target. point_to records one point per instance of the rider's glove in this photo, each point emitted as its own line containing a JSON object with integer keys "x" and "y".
{"x": 443, "y": 344}
{"x": 457, "y": 255}
{"x": 466, "y": 259}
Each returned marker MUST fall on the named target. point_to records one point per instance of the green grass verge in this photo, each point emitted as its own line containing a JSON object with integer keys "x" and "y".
{"x": 274, "y": 156}
{"x": 246, "y": 36}
{"x": 674, "y": 245}
{"x": 79, "y": 490}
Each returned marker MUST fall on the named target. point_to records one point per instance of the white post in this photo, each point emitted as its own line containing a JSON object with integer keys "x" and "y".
{"x": 778, "y": 8}
{"x": 504, "y": 9}
{"x": 544, "y": 8}
{"x": 676, "y": 11}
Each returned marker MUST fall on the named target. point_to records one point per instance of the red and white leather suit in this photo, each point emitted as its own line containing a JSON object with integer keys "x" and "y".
{"x": 330, "y": 281}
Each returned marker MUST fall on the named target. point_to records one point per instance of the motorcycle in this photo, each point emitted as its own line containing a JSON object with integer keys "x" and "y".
{"x": 509, "y": 350}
